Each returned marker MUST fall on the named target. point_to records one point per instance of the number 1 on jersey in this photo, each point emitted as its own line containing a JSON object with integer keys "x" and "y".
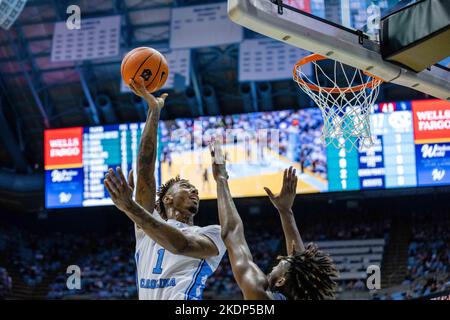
{"x": 157, "y": 269}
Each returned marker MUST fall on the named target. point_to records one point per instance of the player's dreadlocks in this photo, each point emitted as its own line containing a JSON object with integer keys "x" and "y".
{"x": 162, "y": 192}
{"x": 310, "y": 275}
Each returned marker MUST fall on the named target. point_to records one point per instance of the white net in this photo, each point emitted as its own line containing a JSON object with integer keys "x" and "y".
{"x": 345, "y": 99}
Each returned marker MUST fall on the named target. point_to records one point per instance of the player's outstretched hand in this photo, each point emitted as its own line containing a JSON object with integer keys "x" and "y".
{"x": 120, "y": 191}
{"x": 284, "y": 201}
{"x": 218, "y": 160}
{"x": 139, "y": 88}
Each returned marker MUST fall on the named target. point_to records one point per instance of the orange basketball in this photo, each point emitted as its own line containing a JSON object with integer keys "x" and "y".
{"x": 147, "y": 63}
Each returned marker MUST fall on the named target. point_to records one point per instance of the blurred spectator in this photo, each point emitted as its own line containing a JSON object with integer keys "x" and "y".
{"x": 5, "y": 283}
{"x": 428, "y": 256}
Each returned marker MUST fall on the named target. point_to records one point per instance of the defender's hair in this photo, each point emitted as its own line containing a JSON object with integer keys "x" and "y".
{"x": 310, "y": 274}
{"x": 159, "y": 205}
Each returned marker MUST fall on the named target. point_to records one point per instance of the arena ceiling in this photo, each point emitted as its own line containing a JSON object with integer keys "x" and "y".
{"x": 38, "y": 94}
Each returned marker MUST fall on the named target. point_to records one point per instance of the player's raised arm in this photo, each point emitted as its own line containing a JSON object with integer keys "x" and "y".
{"x": 146, "y": 184}
{"x": 251, "y": 280}
{"x": 172, "y": 239}
{"x": 283, "y": 202}
{"x": 312, "y": 269}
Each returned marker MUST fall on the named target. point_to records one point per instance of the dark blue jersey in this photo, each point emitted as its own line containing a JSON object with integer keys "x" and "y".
{"x": 276, "y": 295}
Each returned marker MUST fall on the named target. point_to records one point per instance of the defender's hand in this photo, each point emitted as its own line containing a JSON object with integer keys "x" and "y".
{"x": 284, "y": 201}
{"x": 218, "y": 160}
{"x": 120, "y": 191}
{"x": 139, "y": 88}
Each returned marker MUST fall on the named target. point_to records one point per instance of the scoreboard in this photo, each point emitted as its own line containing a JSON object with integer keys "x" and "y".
{"x": 390, "y": 163}
{"x": 77, "y": 159}
{"x": 393, "y": 129}
{"x": 411, "y": 149}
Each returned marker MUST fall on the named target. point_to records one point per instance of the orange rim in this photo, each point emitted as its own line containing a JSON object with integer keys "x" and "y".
{"x": 317, "y": 57}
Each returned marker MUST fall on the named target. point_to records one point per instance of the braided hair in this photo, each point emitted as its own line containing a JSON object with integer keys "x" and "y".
{"x": 310, "y": 275}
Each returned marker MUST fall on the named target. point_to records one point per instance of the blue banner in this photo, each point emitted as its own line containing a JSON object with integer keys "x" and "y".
{"x": 433, "y": 164}
{"x": 64, "y": 188}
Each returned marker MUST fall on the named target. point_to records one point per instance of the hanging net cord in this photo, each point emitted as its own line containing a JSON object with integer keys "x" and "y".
{"x": 345, "y": 107}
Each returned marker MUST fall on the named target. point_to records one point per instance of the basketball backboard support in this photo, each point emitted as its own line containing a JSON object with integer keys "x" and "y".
{"x": 329, "y": 28}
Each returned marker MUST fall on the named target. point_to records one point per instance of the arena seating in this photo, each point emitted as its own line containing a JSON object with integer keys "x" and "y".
{"x": 107, "y": 260}
{"x": 108, "y": 270}
{"x": 352, "y": 257}
{"x": 428, "y": 258}
{"x": 5, "y": 283}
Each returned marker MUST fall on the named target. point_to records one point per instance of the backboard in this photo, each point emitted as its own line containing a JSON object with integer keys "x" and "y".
{"x": 342, "y": 30}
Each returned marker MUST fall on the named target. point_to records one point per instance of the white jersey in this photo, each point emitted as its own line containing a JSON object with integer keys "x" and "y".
{"x": 162, "y": 275}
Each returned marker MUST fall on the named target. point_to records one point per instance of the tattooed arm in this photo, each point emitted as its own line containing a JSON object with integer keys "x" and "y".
{"x": 170, "y": 238}
{"x": 146, "y": 184}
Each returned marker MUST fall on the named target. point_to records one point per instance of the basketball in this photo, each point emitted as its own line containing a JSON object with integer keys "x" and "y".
{"x": 147, "y": 63}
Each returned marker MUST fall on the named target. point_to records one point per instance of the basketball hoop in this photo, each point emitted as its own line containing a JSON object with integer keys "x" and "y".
{"x": 345, "y": 103}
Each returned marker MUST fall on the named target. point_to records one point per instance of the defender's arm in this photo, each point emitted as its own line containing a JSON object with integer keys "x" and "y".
{"x": 250, "y": 278}
{"x": 283, "y": 202}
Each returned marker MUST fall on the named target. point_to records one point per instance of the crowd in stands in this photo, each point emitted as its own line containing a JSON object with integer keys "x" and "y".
{"x": 5, "y": 279}
{"x": 5, "y": 283}
{"x": 428, "y": 256}
{"x": 33, "y": 255}
{"x": 342, "y": 226}
{"x": 106, "y": 262}
{"x": 108, "y": 266}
